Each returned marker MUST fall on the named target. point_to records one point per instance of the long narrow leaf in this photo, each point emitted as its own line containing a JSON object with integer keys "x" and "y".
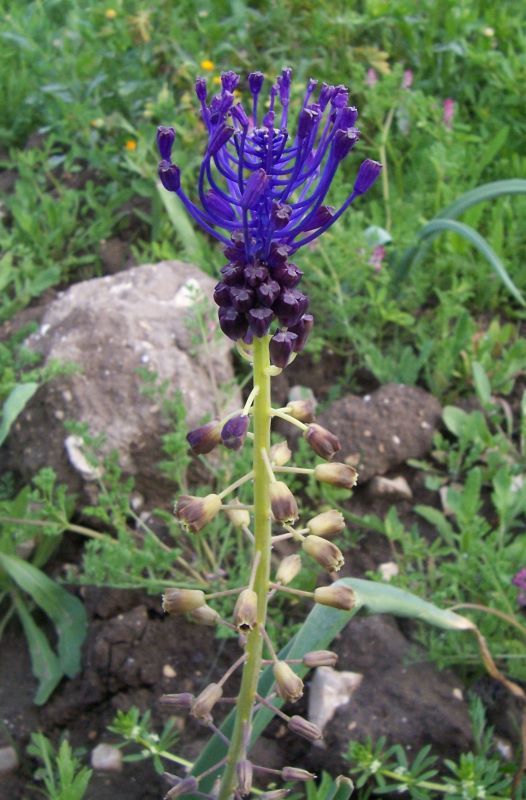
{"x": 179, "y": 219}
{"x": 488, "y": 191}
{"x": 65, "y": 611}
{"x": 14, "y": 405}
{"x": 45, "y": 664}
{"x": 478, "y": 241}
{"x": 319, "y": 629}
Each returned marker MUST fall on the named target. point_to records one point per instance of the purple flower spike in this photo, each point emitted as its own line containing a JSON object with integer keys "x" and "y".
{"x": 367, "y": 174}
{"x": 170, "y": 176}
{"x": 234, "y": 432}
{"x": 281, "y": 348}
{"x": 165, "y": 141}
{"x": 263, "y": 192}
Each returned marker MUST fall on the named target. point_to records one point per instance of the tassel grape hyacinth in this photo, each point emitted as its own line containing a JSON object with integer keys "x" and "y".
{"x": 262, "y": 192}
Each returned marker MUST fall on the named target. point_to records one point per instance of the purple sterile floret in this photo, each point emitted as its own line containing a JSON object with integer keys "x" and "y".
{"x": 263, "y": 193}
{"x": 281, "y": 348}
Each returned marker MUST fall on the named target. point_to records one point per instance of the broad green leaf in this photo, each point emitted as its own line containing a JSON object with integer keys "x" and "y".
{"x": 45, "y": 664}
{"x": 322, "y": 625}
{"x": 65, "y": 611}
{"x": 14, "y": 405}
{"x": 455, "y": 420}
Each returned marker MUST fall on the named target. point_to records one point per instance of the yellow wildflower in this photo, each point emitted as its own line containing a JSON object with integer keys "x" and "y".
{"x": 207, "y": 64}
{"x": 110, "y": 13}
{"x": 131, "y": 145}
{"x": 216, "y": 79}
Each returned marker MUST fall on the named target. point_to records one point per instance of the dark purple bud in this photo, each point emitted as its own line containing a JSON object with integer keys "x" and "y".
{"x": 222, "y": 295}
{"x": 326, "y": 92}
{"x": 219, "y": 139}
{"x": 238, "y": 112}
{"x": 255, "y": 274}
{"x": 170, "y": 176}
{"x": 280, "y": 214}
{"x": 281, "y": 348}
{"x": 321, "y": 216}
{"x": 259, "y": 321}
{"x": 278, "y": 254}
{"x": 229, "y": 80}
{"x": 242, "y": 298}
{"x": 340, "y": 97}
{"x": 311, "y": 85}
{"x": 288, "y": 275}
{"x": 284, "y": 82}
{"x": 254, "y": 188}
{"x": 203, "y": 440}
{"x": 200, "y": 89}
{"x": 255, "y": 81}
{"x": 227, "y": 101}
{"x": 287, "y": 308}
{"x": 165, "y": 140}
{"x": 219, "y": 206}
{"x": 236, "y": 252}
{"x": 347, "y": 117}
{"x": 308, "y": 117}
{"x": 234, "y": 432}
{"x": 268, "y": 119}
{"x": 302, "y": 330}
{"x": 232, "y": 274}
{"x": 232, "y": 323}
{"x": 268, "y": 292}
{"x": 367, "y": 174}
{"x": 344, "y": 141}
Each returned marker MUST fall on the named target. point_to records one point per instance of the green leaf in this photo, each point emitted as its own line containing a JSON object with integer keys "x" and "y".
{"x": 488, "y": 191}
{"x": 14, "y": 405}
{"x": 455, "y": 420}
{"x": 183, "y": 227}
{"x": 322, "y": 625}
{"x": 46, "y": 666}
{"x": 343, "y": 789}
{"x": 482, "y": 384}
{"x": 65, "y": 611}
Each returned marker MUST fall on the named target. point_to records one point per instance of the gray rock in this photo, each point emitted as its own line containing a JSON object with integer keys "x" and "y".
{"x": 8, "y": 760}
{"x": 106, "y": 758}
{"x": 379, "y": 431}
{"x": 390, "y": 488}
{"x": 402, "y": 696}
{"x": 110, "y": 327}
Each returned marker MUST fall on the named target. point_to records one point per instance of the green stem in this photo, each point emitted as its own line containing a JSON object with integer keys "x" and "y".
{"x": 262, "y": 535}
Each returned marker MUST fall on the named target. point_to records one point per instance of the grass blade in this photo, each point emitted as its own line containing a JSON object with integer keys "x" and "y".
{"x": 14, "y": 405}
{"x": 65, "y": 611}
{"x": 179, "y": 219}
{"x": 45, "y": 664}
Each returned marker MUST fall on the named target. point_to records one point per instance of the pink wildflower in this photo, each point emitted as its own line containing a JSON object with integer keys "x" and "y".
{"x": 371, "y": 78}
{"x": 449, "y": 112}
{"x": 377, "y": 258}
{"x": 407, "y": 80}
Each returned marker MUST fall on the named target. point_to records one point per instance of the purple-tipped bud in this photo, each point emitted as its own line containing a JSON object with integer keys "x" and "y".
{"x": 344, "y": 141}
{"x": 288, "y": 275}
{"x": 340, "y": 97}
{"x": 244, "y": 777}
{"x": 226, "y": 102}
{"x": 288, "y": 684}
{"x": 280, "y": 214}
{"x": 304, "y": 728}
{"x": 367, "y": 174}
{"x": 242, "y": 298}
{"x": 219, "y": 206}
{"x": 239, "y": 114}
{"x": 219, "y": 139}
{"x": 246, "y": 610}
{"x": 268, "y": 119}
{"x": 255, "y": 274}
{"x": 307, "y": 120}
{"x": 322, "y": 441}
{"x": 321, "y": 216}
{"x": 348, "y": 117}
{"x": 234, "y": 432}
{"x": 287, "y": 308}
{"x": 229, "y": 80}
{"x": 335, "y": 596}
{"x": 255, "y": 82}
{"x": 165, "y": 141}
{"x": 288, "y": 569}
{"x": 281, "y": 348}
{"x": 204, "y": 615}
{"x": 222, "y": 295}
{"x": 232, "y": 274}
{"x": 293, "y": 774}
{"x": 278, "y": 254}
{"x": 328, "y": 523}
{"x": 200, "y": 89}
{"x": 170, "y": 176}
{"x": 196, "y": 512}
{"x": 232, "y": 323}
{"x": 259, "y": 321}
{"x": 180, "y": 601}
{"x": 283, "y": 503}
{"x": 254, "y": 188}
{"x": 327, "y": 554}
{"x": 204, "y": 703}
{"x": 284, "y": 82}
{"x": 342, "y": 475}
{"x": 320, "y": 658}
{"x": 302, "y": 330}
{"x": 203, "y": 440}
{"x": 268, "y": 292}
{"x": 326, "y": 92}
{"x": 302, "y": 410}
{"x": 181, "y": 702}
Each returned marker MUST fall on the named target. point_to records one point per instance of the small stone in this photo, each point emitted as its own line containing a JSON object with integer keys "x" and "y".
{"x": 330, "y": 689}
{"x": 393, "y": 488}
{"x": 457, "y": 694}
{"x": 388, "y": 570}
{"x": 8, "y": 760}
{"x": 106, "y": 758}
{"x": 169, "y": 672}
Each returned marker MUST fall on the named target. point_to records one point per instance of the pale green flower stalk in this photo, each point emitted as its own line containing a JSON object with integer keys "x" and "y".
{"x": 266, "y": 190}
